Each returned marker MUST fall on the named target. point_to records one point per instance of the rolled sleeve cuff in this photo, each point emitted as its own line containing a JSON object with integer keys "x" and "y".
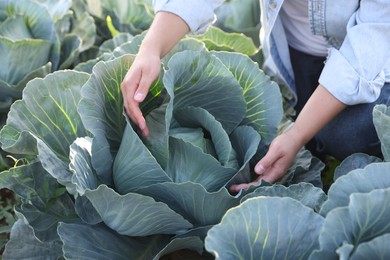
{"x": 198, "y": 14}
{"x": 346, "y": 84}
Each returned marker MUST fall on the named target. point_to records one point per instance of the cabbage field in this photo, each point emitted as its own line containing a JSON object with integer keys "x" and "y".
{"x": 79, "y": 182}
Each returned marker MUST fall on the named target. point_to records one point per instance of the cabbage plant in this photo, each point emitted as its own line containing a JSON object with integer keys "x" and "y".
{"x": 28, "y": 45}
{"x": 240, "y": 16}
{"x": 302, "y": 222}
{"x": 93, "y": 188}
{"x": 130, "y": 16}
{"x": 219, "y": 40}
{"x": 36, "y": 38}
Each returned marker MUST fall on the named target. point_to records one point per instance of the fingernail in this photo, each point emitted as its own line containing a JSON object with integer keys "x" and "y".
{"x": 145, "y": 132}
{"x": 259, "y": 169}
{"x": 139, "y": 97}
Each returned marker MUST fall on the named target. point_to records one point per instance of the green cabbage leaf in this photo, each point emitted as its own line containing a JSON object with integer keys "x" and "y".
{"x": 150, "y": 196}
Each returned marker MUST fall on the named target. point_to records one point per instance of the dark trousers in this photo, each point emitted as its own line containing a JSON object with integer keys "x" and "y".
{"x": 307, "y": 69}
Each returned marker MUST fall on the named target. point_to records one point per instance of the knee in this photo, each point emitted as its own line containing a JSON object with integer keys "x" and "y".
{"x": 341, "y": 144}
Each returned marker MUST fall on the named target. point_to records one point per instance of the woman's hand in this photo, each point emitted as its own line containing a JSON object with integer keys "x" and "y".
{"x": 136, "y": 84}
{"x": 274, "y": 165}
{"x": 166, "y": 30}
{"x": 321, "y": 107}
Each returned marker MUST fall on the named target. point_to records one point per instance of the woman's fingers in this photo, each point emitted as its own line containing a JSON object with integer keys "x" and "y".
{"x": 135, "y": 88}
{"x": 268, "y": 160}
{"x": 129, "y": 87}
{"x": 274, "y": 165}
{"x": 244, "y": 186}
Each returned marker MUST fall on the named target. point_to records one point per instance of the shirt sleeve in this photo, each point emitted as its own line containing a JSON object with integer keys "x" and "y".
{"x": 356, "y": 72}
{"x": 198, "y": 14}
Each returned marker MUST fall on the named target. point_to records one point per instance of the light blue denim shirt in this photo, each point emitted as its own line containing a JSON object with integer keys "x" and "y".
{"x": 358, "y": 64}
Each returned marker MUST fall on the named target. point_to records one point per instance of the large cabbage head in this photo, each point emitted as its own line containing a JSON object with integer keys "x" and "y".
{"x": 200, "y": 131}
{"x": 208, "y": 112}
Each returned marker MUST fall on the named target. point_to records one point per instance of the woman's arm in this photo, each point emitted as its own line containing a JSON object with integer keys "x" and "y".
{"x": 318, "y": 111}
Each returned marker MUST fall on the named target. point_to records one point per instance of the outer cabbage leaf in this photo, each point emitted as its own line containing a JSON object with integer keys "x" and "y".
{"x": 374, "y": 176}
{"x": 56, "y": 167}
{"x": 134, "y": 214}
{"x": 305, "y": 193}
{"x": 217, "y": 40}
{"x": 353, "y": 162}
{"x": 192, "y": 201}
{"x": 48, "y": 111}
{"x": 377, "y": 248}
{"x": 95, "y": 242}
{"x": 262, "y": 96}
{"x": 44, "y": 200}
{"x": 44, "y": 221}
{"x": 381, "y": 115}
{"x": 84, "y": 175}
{"x": 365, "y": 218}
{"x": 265, "y": 228}
{"x": 24, "y": 245}
{"x": 90, "y": 242}
{"x": 31, "y": 183}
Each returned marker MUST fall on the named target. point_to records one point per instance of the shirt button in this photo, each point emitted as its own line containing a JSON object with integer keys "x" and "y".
{"x": 272, "y": 4}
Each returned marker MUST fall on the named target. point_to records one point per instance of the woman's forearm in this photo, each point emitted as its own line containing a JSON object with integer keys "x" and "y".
{"x": 320, "y": 109}
{"x": 166, "y": 30}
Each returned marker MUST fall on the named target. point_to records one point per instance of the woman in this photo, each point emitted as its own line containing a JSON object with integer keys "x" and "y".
{"x": 297, "y": 36}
